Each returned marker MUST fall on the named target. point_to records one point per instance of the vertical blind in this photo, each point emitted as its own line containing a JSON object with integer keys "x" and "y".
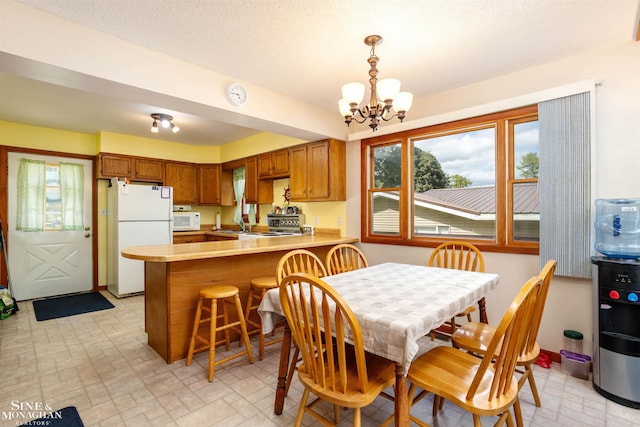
{"x": 565, "y": 184}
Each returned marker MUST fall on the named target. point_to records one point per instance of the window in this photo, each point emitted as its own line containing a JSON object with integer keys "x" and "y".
{"x": 474, "y": 179}
{"x": 50, "y": 196}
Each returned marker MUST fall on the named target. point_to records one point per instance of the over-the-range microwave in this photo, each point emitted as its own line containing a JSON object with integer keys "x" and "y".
{"x": 186, "y": 221}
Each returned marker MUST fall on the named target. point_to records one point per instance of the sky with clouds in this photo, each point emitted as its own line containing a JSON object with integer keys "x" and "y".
{"x": 472, "y": 154}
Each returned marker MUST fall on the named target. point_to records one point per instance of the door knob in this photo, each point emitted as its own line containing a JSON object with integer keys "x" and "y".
{"x": 87, "y": 235}
{"x": 87, "y": 228}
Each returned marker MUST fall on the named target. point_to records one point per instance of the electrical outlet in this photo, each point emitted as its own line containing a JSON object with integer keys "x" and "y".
{"x": 339, "y": 221}
{"x": 317, "y": 219}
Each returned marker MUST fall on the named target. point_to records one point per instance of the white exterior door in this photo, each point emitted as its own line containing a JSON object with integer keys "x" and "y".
{"x": 48, "y": 263}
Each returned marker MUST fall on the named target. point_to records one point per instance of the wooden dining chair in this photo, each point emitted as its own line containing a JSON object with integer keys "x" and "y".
{"x": 345, "y": 257}
{"x": 457, "y": 255}
{"x": 482, "y": 386}
{"x": 475, "y": 337}
{"x": 298, "y": 261}
{"x": 335, "y": 367}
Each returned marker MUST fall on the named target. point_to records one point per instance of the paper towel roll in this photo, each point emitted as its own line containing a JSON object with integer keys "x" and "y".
{"x": 218, "y": 225}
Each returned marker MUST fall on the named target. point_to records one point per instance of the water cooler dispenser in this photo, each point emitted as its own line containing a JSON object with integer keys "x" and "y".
{"x": 616, "y": 285}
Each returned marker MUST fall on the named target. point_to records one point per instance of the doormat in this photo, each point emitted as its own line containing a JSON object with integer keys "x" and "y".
{"x": 53, "y": 308}
{"x": 65, "y": 417}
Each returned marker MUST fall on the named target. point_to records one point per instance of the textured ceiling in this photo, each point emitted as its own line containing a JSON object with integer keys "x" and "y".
{"x": 308, "y": 49}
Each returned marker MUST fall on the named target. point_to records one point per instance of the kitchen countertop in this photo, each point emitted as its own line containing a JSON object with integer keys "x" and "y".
{"x": 205, "y": 250}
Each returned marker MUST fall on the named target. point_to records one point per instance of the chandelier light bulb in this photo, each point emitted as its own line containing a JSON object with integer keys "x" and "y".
{"x": 345, "y": 108}
{"x": 353, "y": 93}
{"x": 388, "y": 89}
{"x": 174, "y": 128}
{"x": 403, "y": 102}
{"x": 154, "y": 127}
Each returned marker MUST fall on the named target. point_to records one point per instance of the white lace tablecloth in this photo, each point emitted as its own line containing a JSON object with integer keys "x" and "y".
{"x": 397, "y": 304}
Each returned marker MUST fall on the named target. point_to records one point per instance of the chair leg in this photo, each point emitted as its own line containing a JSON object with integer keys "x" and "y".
{"x": 247, "y": 312}
{"x": 509, "y": 419}
{"x": 225, "y": 315}
{"x": 212, "y": 337}
{"x": 261, "y": 334}
{"x": 196, "y": 326}
{"x": 528, "y": 373}
{"x": 303, "y": 404}
{"x": 438, "y": 401}
{"x": 518, "y": 411}
{"x": 356, "y": 417}
{"x": 243, "y": 327}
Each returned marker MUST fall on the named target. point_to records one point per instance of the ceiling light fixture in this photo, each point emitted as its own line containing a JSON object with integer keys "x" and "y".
{"x": 385, "y": 95}
{"x": 165, "y": 122}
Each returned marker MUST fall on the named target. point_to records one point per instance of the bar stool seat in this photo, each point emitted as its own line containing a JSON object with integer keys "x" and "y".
{"x": 259, "y": 287}
{"x": 229, "y": 295}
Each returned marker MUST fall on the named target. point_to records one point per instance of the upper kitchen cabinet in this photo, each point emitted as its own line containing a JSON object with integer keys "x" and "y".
{"x": 209, "y": 184}
{"x": 256, "y": 190}
{"x": 274, "y": 164}
{"x": 318, "y": 171}
{"x": 183, "y": 177}
{"x": 134, "y": 168}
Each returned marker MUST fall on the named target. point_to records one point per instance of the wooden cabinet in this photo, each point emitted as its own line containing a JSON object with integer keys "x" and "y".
{"x": 318, "y": 171}
{"x": 274, "y": 164}
{"x": 256, "y": 190}
{"x": 209, "y": 179}
{"x": 134, "y": 168}
{"x": 189, "y": 238}
{"x": 110, "y": 166}
{"x": 183, "y": 177}
{"x": 148, "y": 170}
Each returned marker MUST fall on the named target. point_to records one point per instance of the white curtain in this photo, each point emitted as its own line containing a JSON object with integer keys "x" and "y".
{"x": 31, "y": 195}
{"x": 238, "y": 190}
{"x": 252, "y": 214}
{"x": 72, "y": 195}
{"x": 565, "y": 182}
{"x": 31, "y": 180}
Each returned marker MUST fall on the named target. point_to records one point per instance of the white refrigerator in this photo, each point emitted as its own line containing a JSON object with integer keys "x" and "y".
{"x": 137, "y": 215}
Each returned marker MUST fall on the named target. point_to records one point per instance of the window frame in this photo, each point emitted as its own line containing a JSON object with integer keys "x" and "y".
{"x": 503, "y": 122}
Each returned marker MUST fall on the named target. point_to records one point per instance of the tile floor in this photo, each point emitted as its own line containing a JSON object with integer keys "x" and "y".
{"x": 100, "y": 363}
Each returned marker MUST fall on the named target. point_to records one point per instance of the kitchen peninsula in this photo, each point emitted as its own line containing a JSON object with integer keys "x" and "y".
{"x": 174, "y": 275}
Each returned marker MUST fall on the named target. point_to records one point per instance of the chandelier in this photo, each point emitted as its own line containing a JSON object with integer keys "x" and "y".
{"x": 385, "y": 95}
{"x": 165, "y": 121}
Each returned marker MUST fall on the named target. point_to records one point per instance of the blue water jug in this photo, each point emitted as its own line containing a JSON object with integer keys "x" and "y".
{"x": 618, "y": 228}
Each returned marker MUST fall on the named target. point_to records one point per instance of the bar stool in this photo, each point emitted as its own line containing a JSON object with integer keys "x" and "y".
{"x": 259, "y": 287}
{"x": 228, "y": 295}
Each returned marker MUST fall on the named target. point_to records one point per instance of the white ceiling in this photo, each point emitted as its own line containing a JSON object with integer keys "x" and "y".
{"x": 307, "y": 49}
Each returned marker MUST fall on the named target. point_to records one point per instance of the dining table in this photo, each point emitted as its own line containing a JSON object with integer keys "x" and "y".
{"x": 396, "y": 305}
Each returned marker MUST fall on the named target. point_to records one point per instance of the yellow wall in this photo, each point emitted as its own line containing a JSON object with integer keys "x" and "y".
{"x": 109, "y": 142}
{"x": 40, "y": 138}
{"x": 259, "y": 143}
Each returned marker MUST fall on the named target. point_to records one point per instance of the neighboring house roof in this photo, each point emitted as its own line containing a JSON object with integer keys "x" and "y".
{"x": 481, "y": 200}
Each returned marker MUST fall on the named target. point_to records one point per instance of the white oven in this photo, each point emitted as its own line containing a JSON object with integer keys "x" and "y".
{"x": 186, "y": 221}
